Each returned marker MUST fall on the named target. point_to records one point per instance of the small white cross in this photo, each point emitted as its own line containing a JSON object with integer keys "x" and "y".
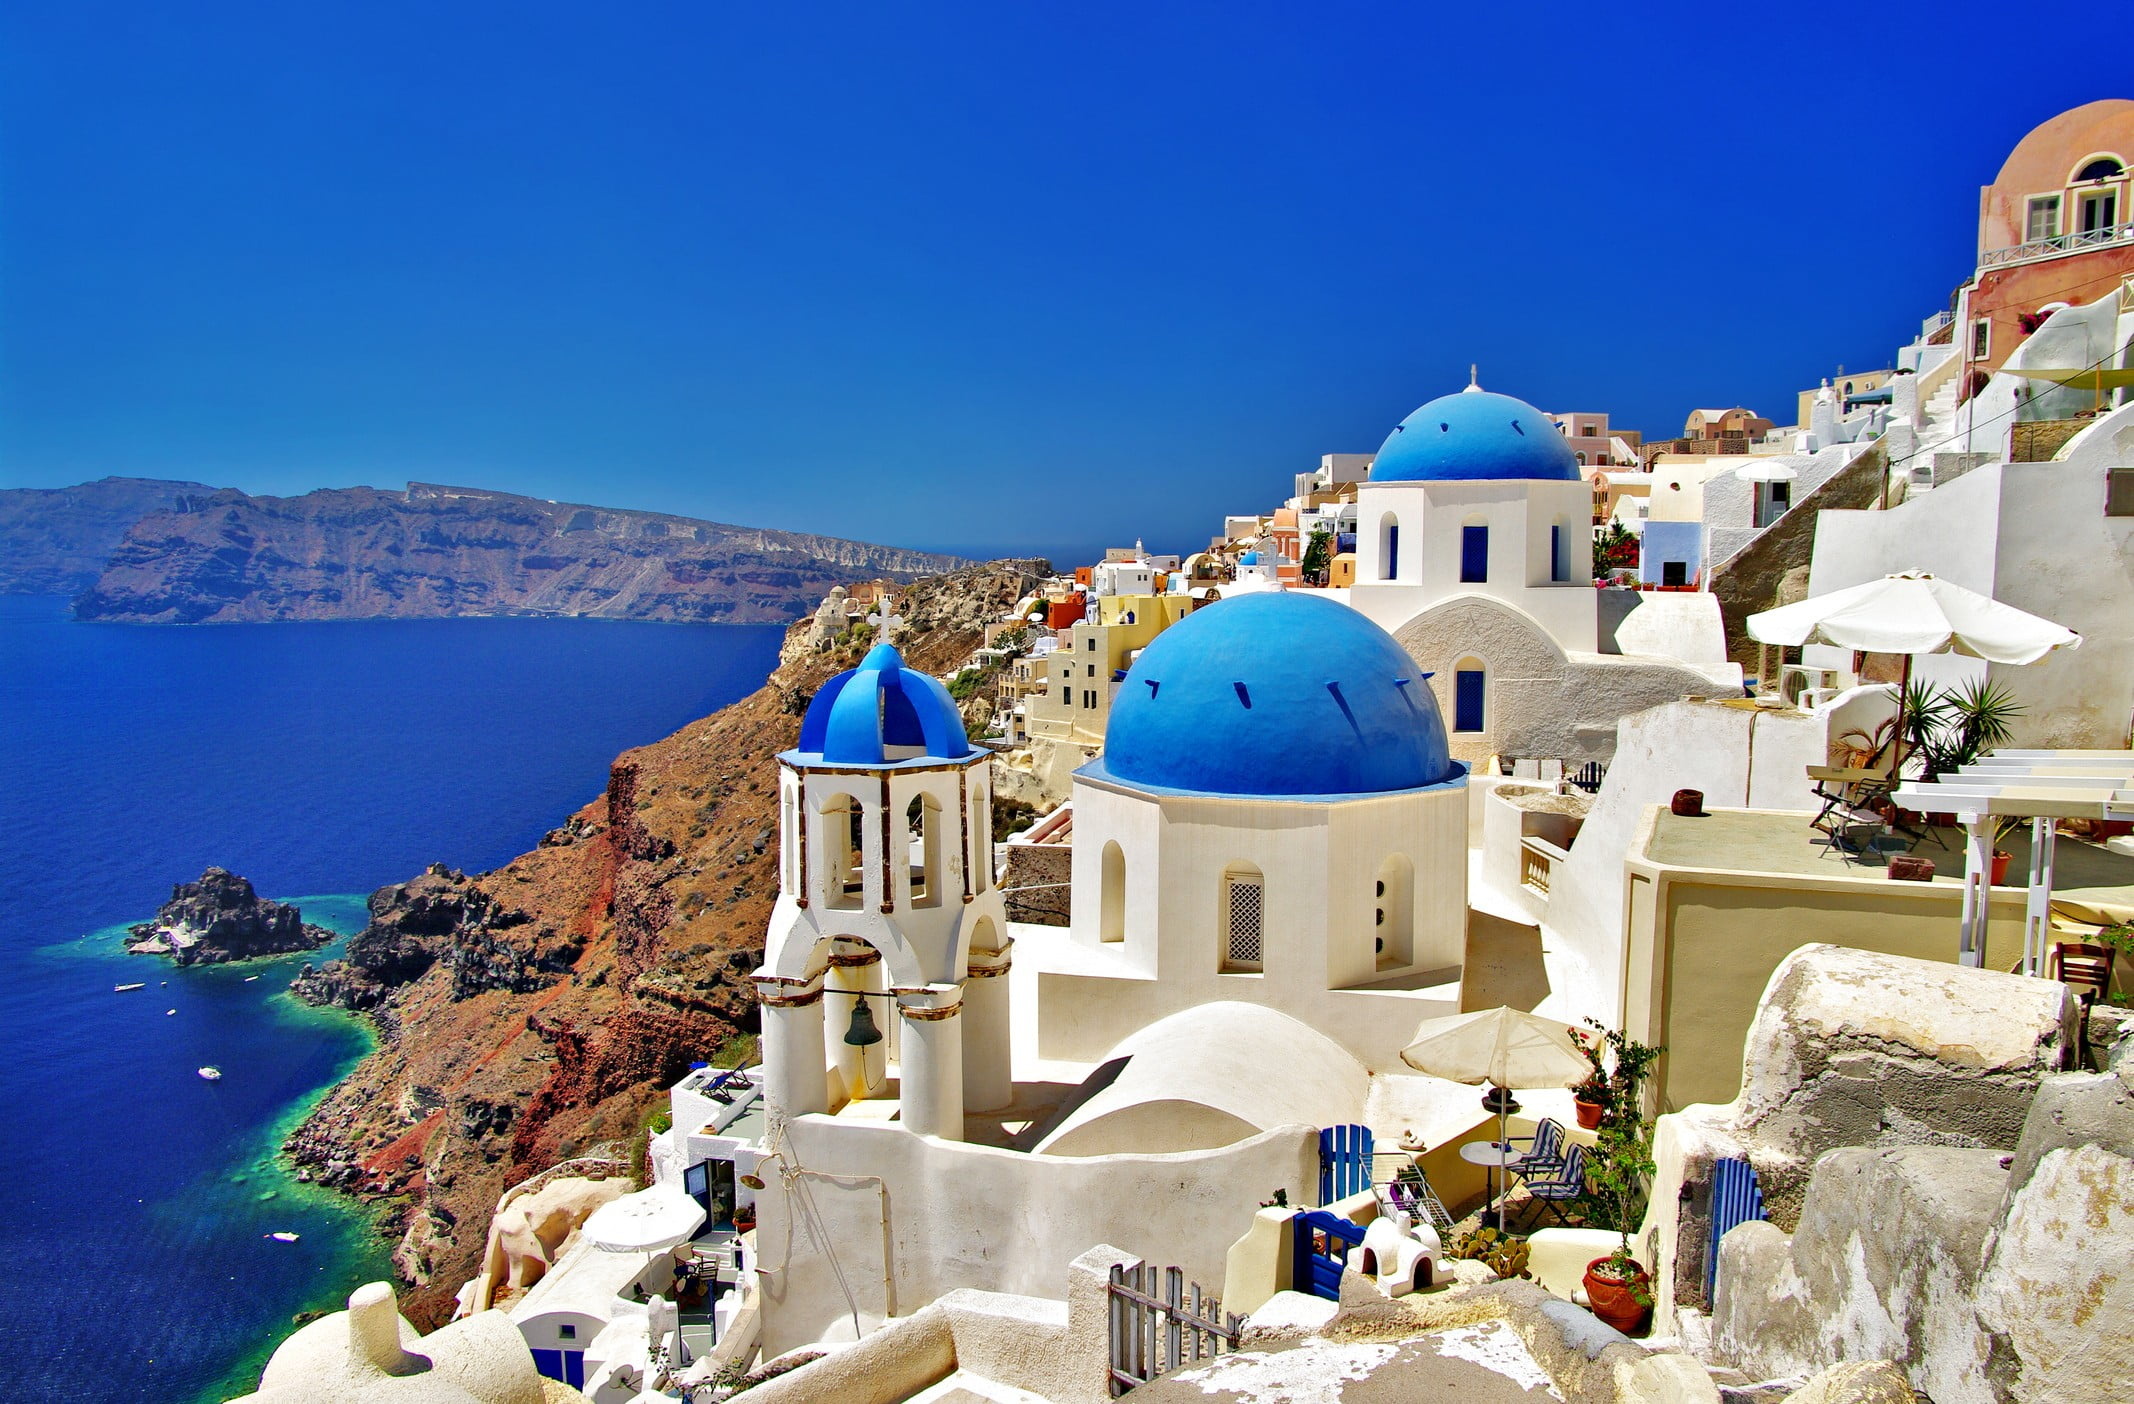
{"x": 885, "y": 619}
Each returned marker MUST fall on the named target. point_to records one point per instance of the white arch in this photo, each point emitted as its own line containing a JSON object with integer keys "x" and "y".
{"x": 1111, "y": 925}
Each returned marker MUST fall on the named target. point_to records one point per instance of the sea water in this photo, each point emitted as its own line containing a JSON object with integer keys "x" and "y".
{"x": 330, "y": 758}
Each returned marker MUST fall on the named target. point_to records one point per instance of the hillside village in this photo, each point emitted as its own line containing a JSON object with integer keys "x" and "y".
{"x": 1539, "y": 911}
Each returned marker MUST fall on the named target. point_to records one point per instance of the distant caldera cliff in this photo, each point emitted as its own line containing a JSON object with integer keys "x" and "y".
{"x": 54, "y": 541}
{"x": 196, "y": 555}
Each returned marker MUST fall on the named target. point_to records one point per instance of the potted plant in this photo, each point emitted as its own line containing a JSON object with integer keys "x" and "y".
{"x": 1590, "y": 1096}
{"x": 1618, "y": 1287}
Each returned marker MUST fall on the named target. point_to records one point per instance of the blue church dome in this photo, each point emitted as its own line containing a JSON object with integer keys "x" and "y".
{"x": 1275, "y": 694}
{"x": 1474, "y": 434}
{"x": 864, "y": 714}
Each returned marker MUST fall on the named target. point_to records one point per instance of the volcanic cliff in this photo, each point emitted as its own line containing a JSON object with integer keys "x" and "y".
{"x": 430, "y": 552}
{"x": 538, "y": 1012}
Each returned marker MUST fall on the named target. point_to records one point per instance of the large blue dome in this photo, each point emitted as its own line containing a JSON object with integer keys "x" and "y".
{"x": 1275, "y": 694}
{"x": 881, "y": 713}
{"x": 1474, "y": 434}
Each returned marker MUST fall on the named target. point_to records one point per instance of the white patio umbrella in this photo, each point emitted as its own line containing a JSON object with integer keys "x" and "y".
{"x": 1912, "y": 613}
{"x": 649, "y": 1221}
{"x": 1505, "y": 1047}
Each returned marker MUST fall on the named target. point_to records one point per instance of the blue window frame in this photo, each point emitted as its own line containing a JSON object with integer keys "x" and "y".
{"x": 1467, "y": 700}
{"x": 1474, "y": 553}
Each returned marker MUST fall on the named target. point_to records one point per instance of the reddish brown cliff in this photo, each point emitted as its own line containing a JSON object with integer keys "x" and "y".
{"x": 539, "y": 1011}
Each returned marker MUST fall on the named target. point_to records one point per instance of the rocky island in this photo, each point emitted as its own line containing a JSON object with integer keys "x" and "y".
{"x": 220, "y": 919}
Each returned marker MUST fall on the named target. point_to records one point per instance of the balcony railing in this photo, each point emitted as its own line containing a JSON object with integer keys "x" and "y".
{"x": 2057, "y": 245}
{"x": 1537, "y": 863}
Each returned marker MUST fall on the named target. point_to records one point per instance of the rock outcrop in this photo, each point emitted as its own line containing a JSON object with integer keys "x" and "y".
{"x": 1940, "y": 1195}
{"x": 538, "y": 1012}
{"x": 431, "y": 552}
{"x": 220, "y": 919}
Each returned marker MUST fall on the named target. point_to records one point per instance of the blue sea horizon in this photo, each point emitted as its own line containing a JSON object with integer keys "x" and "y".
{"x": 321, "y": 759}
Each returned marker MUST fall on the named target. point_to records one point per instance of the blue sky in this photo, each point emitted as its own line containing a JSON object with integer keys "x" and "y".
{"x": 1000, "y": 275}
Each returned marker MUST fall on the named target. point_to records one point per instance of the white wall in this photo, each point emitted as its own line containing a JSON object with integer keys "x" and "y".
{"x": 972, "y": 1216}
{"x": 1320, "y": 863}
{"x": 1746, "y": 757}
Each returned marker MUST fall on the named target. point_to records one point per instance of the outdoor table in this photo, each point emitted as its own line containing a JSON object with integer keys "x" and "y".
{"x": 1493, "y": 1156}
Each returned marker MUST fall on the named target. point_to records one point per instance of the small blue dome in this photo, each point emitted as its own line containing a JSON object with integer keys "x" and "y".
{"x": 1474, "y": 434}
{"x": 1250, "y": 558}
{"x": 862, "y": 714}
{"x": 1275, "y": 694}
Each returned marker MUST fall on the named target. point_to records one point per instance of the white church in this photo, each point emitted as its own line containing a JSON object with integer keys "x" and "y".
{"x": 1270, "y": 871}
{"x": 1474, "y": 548}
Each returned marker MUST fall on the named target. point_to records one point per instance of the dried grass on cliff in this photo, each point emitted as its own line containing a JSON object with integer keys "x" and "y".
{"x": 537, "y": 1012}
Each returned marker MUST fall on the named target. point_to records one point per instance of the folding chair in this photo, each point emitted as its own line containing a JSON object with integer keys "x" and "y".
{"x": 1566, "y": 1184}
{"x": 1545, "y": 1155}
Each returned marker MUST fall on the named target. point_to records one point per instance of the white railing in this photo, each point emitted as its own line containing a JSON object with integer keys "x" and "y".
{"x": 2057, "y": 245}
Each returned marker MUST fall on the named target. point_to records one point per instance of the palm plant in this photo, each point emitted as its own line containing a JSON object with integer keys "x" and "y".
{"x": 1964, "y": 723}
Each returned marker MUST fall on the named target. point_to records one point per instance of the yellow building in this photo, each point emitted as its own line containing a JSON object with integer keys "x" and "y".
{"x": 1077, "y": 705}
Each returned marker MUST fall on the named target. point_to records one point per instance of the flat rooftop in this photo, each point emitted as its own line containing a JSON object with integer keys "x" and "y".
{"x": 1768, "y": 841}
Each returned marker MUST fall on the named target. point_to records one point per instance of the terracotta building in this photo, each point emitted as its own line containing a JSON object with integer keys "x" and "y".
{"x": 2053, "y": 228}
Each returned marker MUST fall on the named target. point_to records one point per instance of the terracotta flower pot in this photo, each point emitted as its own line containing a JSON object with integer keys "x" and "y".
{"x": 1624, "y": 1303}
{"x": 2000, "y": 867}
{"x": 1589, "y": 1113}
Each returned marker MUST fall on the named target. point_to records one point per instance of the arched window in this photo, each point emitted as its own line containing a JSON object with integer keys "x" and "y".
{"x": 844, "y": 846}
{"x": 1388, "y": 547}
{"x": 1112, "y": 894}
{"x": 1242, "y": 913}
{"x": 1474, "y": 551}
{"x": 1469, "y": 688}
{"x": 982, "y": 841}
{"x": 2101, "y": 168}
{"x": 922, "y": 822}
{"x": 1581, "y": 460}
{"x": 1394, "y": 910}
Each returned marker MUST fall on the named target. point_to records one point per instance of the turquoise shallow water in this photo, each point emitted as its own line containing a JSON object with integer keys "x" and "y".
{"x": 314, "y": 759}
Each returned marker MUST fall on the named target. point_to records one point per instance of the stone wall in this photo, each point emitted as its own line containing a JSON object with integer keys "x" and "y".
{"x": 1034, "y": 879}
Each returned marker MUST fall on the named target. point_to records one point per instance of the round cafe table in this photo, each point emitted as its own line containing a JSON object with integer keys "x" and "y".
{"x": 1493, "y": 1156}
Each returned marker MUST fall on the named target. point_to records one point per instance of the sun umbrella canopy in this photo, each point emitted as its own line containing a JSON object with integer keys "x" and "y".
{"x": 1914, "y": 613}
{"x": 1507, "y": 1047}
{"x": 649, "y": 1221}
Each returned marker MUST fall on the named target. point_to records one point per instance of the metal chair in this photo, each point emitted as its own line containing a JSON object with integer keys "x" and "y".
{"x": 1545, "y": 1156}
{"x": 1566, "y": 1184}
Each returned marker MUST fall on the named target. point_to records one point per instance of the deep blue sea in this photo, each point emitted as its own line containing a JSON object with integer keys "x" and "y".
{"x": 320, "y": 761}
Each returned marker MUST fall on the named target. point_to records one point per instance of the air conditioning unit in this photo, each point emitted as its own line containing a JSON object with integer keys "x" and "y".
{"x": 1796, "y": 679}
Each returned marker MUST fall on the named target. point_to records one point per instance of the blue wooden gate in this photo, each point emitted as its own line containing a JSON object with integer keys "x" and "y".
{"x": 1736, "y": 1199}
{"x": 1317, "y": 1269}
{"x": 1344, "y": 1162}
